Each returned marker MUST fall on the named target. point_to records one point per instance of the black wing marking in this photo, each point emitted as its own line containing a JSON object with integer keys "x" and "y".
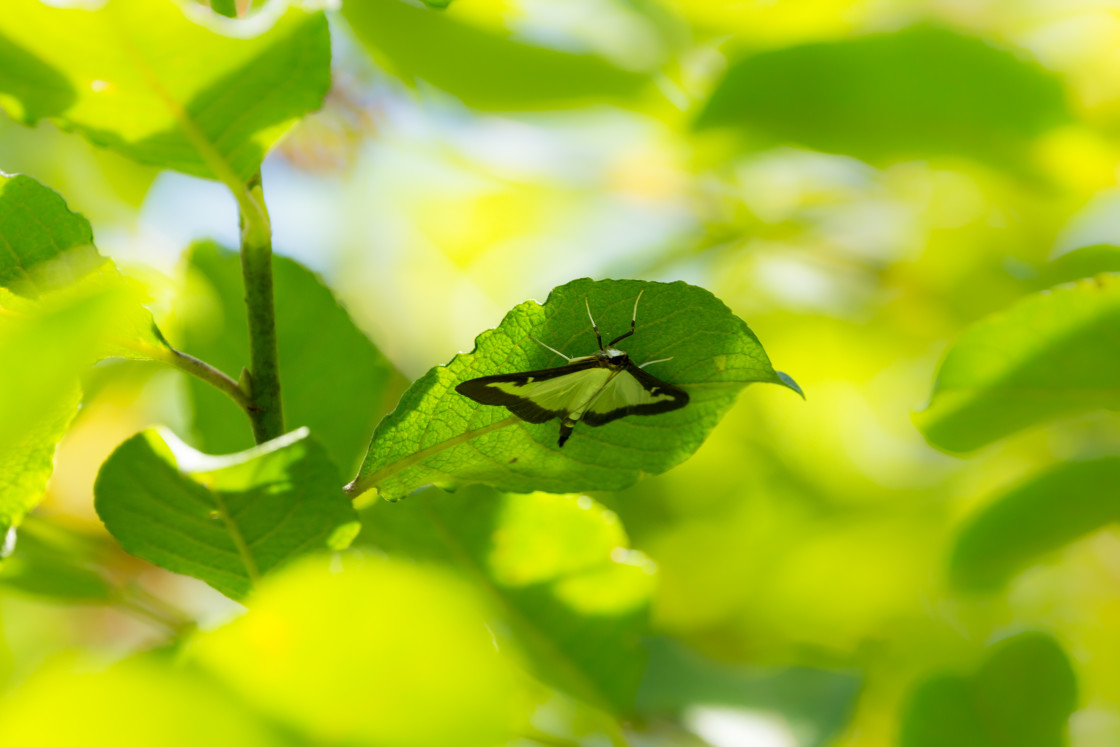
{"x": 667, "y": 396}
{"x": 481, "y": 391}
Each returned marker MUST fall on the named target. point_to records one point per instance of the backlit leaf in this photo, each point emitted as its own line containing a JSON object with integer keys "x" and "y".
{"x": 135, "y": 703}
{"x": 367, "y": 651}
{"x": 150, "y": 79}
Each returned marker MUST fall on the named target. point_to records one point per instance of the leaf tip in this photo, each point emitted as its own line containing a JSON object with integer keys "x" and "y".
{"x": 787, "y": 381}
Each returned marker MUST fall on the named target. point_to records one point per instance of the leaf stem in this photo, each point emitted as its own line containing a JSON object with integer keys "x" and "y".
{"x": 198, "y": 368}
{"x": 263, "y": 382}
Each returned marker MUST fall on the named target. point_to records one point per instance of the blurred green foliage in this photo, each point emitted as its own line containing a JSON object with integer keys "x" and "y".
{"x": 910, "y": 203}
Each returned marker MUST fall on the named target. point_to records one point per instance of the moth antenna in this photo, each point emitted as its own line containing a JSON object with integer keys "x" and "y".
{"x": 633, "y": 320}
{"x": 549, "y": 347}
{"x": 659, "y": 360}
{"x": 594, "y": 326}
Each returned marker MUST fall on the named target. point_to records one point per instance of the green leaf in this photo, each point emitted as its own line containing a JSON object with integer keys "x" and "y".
{"x": 140, "y": 701}
{"x": 27, "y": 457}
{"x": 333, "y": 379}
{"x": 226, "y": 520}
{"x": 1049, "y": 356}
{"x": 36, "y": 227}
{"x": 482, "y": 69}
{"x": 1022, "y": 696}
{"x": 44, "y": 346}
{"x": 1081, "y": 263}
{"x": 52, "y": 276}
{"x": 923, "y": 91}
{"x": 575, "y": 599}
{"x": 49, "y": 258}
{"x": 1038, "y": 517}
{"x": 366, "y": 651}
{"x": 815, "y": 703}
{"x": 51, "y": 562}
{"x": 147, "y": 79}
{"x": 437, "y": 435}
{"x": 227, "y": 8}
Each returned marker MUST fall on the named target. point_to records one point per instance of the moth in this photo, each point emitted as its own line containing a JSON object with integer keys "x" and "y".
{"x": 594, "y": 389}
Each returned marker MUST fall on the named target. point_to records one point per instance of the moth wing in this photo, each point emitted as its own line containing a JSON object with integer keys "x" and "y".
{"x": 634, "y": 392}
{"x": 539, "y": 396}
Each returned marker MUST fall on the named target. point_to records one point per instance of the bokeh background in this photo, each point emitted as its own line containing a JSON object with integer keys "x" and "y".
{"x": 859, "y": 181}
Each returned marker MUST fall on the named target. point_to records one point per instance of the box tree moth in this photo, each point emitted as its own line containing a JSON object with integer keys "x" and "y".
{"x": 594, "y": 389}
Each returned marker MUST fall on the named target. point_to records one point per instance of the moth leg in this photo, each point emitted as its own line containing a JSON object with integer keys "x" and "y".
{"x": 594, "y": 326}
{"x": 549, "y": 347}
{"x": 633, "y": 321}
{"x": 659, "y": 360}
{"x": 566, "y": 426}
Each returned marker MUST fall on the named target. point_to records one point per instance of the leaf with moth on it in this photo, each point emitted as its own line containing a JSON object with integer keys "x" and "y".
{"x": 1049, "y": 356}
{"x": 226, "y": 520}
{"x": 438, "y": 436}
{"x": 167, "y": 84}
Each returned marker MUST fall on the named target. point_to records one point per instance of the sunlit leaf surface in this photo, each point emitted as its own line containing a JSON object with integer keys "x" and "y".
{"x": 62, "y": 307}
{"x": 226, "y": 520}
{"x": 333, "y": 378}
{"x": 437, "y": 435}
{"x": 566, "y": 586}
{"x": 1034, "y": 519}
{"x": 162, "y": 82}
{"x": 924, "y": 91}
{"x": 1049, "y": 356}
{"x": 374, "y": 652}
{"x": 132, "y": 704}
{"x": 44, "y": 348}
{"x": 1022, "y": 696}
